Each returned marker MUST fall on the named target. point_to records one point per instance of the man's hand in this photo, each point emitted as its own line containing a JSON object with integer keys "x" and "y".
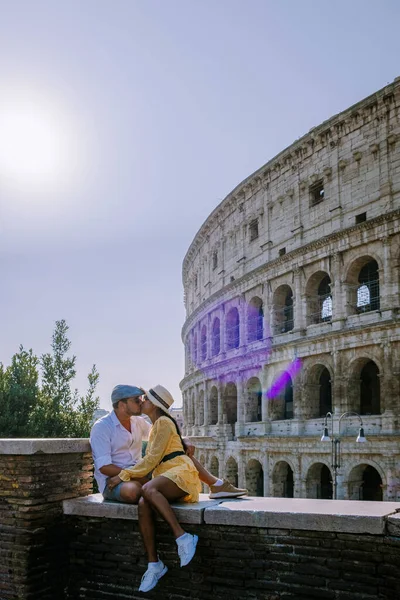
{"x": 189, "y": 448}
{"x": 112, "y": 482}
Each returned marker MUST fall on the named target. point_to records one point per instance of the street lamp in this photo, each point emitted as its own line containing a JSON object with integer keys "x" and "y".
{"x": 335, "y": 459}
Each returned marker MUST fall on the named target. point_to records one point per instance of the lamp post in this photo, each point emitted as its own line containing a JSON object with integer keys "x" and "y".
{"x": 335, "y": 441}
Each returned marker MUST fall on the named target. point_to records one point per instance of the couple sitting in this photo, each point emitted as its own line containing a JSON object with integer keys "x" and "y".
{"x": 122, "y": 475}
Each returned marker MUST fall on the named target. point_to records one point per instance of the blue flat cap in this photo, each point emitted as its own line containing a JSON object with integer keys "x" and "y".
{"x": 120, "y": 392}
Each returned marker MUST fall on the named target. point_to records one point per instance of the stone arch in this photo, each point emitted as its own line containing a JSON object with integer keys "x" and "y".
{"x": 190, "y": 409}
{"x": 195, "y": 346}
{"x": 281, "y": 402}
{"x": 188, "y": 356}
{"x": 213, "y": 406}
{"x": 253, "y": 400}
{"x": 283, "y": 480}
{"x": 200, "y": 408}
{"x": 319, "y": 298}
{"x": 231, "y": 471}
{"x": 319, "y": 482}
{"x": 254, "y": 478}
{"x": 283, "y": 309}
{"x": 255, "y": 320}
{"x": 363, "y": 286}
{"x": 214, "y": 466}
{"x": 364, "y": 394}
{"x": 365, "y": 482}
{"x": 216, "y": 337}
{"x": 232, "y": 329}
{"x": 230, "y": 403}
{"x": 318, "y": 391}
{"x": 203, "y": 343}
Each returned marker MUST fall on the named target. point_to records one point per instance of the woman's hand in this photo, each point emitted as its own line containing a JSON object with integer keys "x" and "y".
{"x": 188, "y": 447}
{"x": 112, "y": 482}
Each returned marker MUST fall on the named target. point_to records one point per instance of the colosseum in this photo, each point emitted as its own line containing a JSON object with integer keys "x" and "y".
{"x": 292, "y": 316}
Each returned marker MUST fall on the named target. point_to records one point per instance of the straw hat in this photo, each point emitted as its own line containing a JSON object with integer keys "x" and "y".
{"x": 160, "y": 397}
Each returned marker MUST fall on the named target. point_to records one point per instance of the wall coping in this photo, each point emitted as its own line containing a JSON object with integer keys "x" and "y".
{"x": 340, "y": 516}
{"x": 44, "y": 445}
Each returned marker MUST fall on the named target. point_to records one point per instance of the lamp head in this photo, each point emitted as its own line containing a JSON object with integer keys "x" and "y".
{"x": 325, "y": 436}
{"x": 361, "y": 437}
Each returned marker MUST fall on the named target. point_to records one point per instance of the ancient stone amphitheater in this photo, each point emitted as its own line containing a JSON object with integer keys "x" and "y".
{"x": 292, "y": 312}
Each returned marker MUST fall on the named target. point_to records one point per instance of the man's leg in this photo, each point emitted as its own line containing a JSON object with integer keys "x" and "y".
{"x": 126, "y": 491}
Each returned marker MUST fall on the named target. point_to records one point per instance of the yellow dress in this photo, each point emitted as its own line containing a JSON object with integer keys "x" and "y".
{"x": 163, "y": 439}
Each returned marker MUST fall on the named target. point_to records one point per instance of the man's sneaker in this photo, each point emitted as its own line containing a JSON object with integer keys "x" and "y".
{"x": 187, "y": 548}
{"x": 151, "y": 578}
{"x": 226, "y": 490}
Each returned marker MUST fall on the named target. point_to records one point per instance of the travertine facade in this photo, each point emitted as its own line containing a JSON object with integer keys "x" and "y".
{"x": 292, "y": 301}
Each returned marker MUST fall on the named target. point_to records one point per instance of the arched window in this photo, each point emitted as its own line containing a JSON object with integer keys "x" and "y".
{"x": 282, "y": 480}
{"x": 232, "y": 329}
{"x": 203, "y": 343}
{"x": 283, "y": 309}
{"x": 368, "y": 290}
{"x": 216, "y": 337}
{"x": 319, "y": 298}
{"x": 325, "y": 393}
{"x": 195, "y": 348}
{"x": 325, "y": 299}
{"x": 370, "y": 401}
{"x": 253, "y": 408}
{"x": 288, "y": 395}
{"x": 255, "y": 317}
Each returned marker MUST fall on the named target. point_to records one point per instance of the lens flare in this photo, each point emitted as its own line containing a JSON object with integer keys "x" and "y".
{"x": 282, "y": 381}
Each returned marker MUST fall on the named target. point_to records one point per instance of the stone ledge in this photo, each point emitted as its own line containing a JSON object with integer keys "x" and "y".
{"x": 44, "y": 446}
{"x": 341, "y": 516}
{"x": 393, "y": 525}
{"x": 96, "y": 506}
{"x": 344, "y": 516}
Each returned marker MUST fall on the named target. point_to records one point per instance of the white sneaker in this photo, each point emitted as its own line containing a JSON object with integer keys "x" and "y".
{"x": 187, "y": 548}
{"x": 151, "y": 578}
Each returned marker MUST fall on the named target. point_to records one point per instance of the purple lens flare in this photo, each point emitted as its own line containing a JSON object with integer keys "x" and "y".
{"x": 282, "y": 381}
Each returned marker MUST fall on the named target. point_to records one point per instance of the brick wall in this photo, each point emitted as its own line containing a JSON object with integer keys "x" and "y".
{"x": 59, "y": 543}
{"x": 35, "y": 477}
{"x": 107, "y": 562}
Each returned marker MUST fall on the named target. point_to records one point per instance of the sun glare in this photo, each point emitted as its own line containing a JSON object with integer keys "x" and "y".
{"x": 36, "y": 144}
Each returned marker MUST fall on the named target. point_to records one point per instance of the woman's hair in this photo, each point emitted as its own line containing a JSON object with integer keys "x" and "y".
{"x": 165, "y": 414}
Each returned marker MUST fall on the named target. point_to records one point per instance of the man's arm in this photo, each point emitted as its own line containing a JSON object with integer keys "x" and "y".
{"x": 101, "y": 449}
{"x": 110, "y": 470}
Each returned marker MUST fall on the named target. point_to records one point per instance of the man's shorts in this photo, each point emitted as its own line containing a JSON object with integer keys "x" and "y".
{"x": 114, "y": 494}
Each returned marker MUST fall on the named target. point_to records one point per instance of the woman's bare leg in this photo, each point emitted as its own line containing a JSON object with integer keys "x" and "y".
{"x": 147, "y": 529}
{"x": 204, "y": 475}
{"x": 158, "y": 493}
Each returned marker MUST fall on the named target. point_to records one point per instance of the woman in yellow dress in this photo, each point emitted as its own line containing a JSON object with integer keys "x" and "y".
{"x": 174, "y": 478}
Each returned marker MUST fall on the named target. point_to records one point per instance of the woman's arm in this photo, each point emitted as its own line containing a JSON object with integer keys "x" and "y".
{"x": 161, "y": 436}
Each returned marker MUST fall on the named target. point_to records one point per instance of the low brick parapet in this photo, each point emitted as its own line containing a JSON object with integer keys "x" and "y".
{"x": 36, "y": 475}
{"x": 58, "y": 541}
{"x": 249, "y": 548}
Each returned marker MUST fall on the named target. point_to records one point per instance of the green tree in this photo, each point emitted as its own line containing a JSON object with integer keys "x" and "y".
{"x": 87, "y": 405}
{"x": 54, "y": 408}
{"x": 19, "y": 393}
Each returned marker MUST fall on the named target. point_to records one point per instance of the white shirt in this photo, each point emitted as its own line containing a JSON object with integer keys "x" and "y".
{"x": 112, "y": 444}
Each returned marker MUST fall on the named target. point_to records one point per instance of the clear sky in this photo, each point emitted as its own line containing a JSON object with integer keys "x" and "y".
{"x": 123, "y": 124}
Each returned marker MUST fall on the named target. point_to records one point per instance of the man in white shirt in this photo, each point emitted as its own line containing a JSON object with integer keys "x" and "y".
{"x": 116, "y": 441}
